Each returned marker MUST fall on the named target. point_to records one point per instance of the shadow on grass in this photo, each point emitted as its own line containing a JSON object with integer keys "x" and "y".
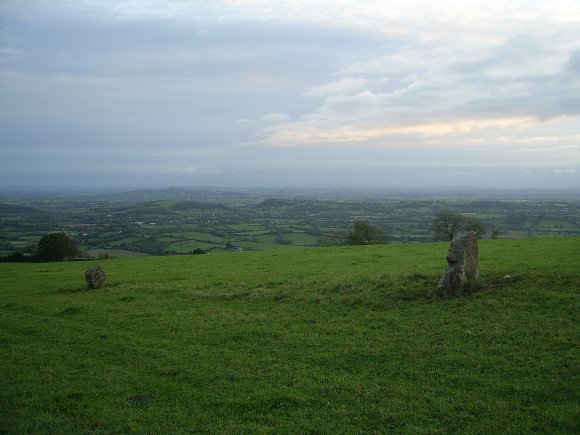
{"x": 81, "y": 289}
{"x": 72, "y": 311}
{"x": 493, "y": 282}
{"x": 415, "y": 287}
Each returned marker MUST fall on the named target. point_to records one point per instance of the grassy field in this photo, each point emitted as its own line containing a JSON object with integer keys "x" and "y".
{"x": 335, "y": 340}
{"x": 114, "y": 253}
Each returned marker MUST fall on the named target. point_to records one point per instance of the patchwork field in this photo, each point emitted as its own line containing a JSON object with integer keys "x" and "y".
{"x": 324, "y": 340}
{"x": 179, "y": 221}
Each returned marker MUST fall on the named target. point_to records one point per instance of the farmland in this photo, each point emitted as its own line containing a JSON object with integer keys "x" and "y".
{"x": 179, "y": 221}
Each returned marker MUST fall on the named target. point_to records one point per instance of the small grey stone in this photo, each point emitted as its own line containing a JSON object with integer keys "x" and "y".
{"x": 96, "y": 277}
{"x": 462, "y": 265}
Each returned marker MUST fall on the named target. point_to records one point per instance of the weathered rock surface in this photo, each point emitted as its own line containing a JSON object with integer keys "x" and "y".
{"x": 96, "y": 277}
{"x": 462, "y": 265}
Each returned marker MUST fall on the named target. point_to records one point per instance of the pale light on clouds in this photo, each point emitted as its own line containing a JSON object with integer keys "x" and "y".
{"x": 307, "y": 133}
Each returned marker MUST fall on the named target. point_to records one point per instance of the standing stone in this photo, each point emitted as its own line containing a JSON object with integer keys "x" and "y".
{"x": 463, "y": 265}
{"x": 96, "y": 277}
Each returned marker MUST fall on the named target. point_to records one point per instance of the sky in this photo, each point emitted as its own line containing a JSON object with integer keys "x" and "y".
{"x": 294, "y": 93}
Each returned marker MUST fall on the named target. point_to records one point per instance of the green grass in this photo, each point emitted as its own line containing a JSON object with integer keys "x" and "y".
{"x": 115, "y": 253}
{"x": 299, "y": 238}
{"x": 246, "y": 228}
{"x": 126, "y": 240}
{"x": 336, "y": 340}
{"x": 196, "y": 235}
{"x": 184, "y": 247}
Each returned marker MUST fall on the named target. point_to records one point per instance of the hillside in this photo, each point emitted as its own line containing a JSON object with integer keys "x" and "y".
{"x": 321, "y": 340}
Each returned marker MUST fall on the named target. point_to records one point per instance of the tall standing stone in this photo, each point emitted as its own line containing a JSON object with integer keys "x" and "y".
{"x": 462, "y": 265}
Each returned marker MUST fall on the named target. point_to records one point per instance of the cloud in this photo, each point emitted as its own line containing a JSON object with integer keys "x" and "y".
{"x": 427, "y": 90}
{"x": 180, "y": 83}
{"x": 185, "y": 153}
{"x": 316, "y": 132}
{"x": 275, "y": 117}
{"x": 543, "y": 140}
{"x": 347, "y": 85}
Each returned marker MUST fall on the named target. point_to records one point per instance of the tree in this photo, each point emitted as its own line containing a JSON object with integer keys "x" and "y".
{"x": 334, "y": 238}
{"x": 56, "y": 247}
{"x": 448, "y": 224}
{"x": 473, "y": 224}
{"x": 366, "y": 234}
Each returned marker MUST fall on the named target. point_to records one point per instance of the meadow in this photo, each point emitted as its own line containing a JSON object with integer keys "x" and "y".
{"x": 322, "y": 340}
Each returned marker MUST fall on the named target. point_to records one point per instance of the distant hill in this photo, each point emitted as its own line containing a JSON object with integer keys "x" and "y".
{"x": 16, "y": 209}
{"x": 147, "y": 210}
{"x": 274, "y": 203}
{"x": 194, "y": 205}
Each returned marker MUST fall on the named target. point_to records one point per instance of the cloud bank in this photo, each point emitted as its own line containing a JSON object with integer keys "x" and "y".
{"x": 244, "y": 91}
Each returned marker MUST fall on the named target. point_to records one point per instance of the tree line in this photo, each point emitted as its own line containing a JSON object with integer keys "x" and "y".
{"x": 445, "y": 226}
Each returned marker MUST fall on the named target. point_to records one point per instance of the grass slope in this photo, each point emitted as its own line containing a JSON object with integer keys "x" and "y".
{"x": 315, "y": 340}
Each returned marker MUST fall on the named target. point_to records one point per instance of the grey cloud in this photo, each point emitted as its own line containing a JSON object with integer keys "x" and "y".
{"x": 574, "y": 61}
{"x": 76, "y": 83}
{"x": 275, "y": 117}
{"x": 194, "y": 67}
{"x": 81, "y": 44}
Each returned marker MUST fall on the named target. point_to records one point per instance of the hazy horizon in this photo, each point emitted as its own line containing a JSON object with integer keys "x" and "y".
{"x": 315, "y": 191}
{"x": 255, "y": 93}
